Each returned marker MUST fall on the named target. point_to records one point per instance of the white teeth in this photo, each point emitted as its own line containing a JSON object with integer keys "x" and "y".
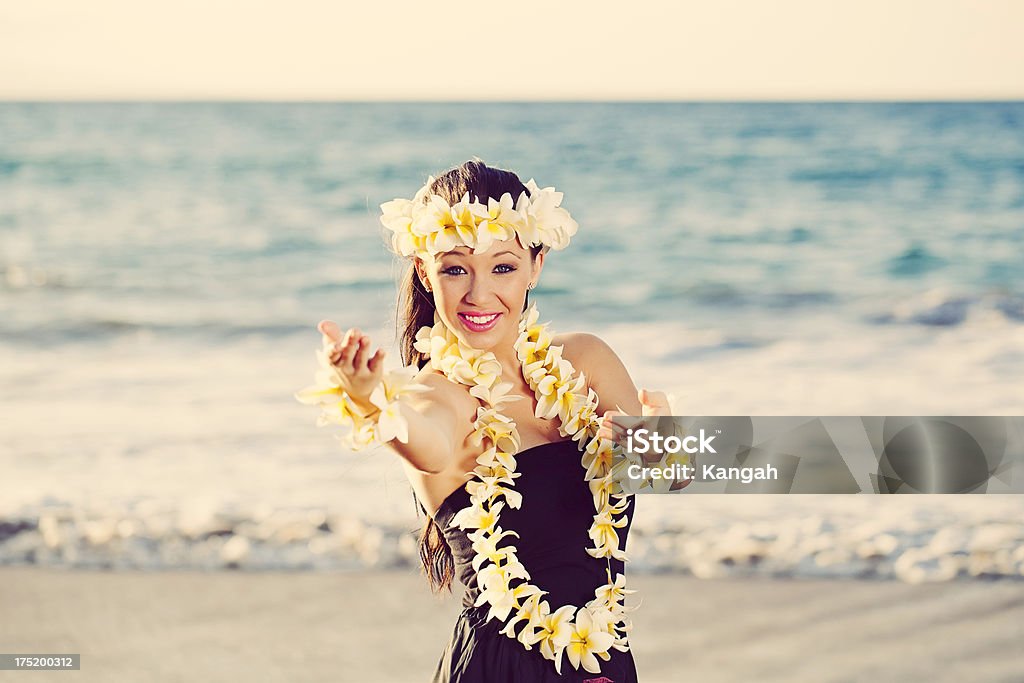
{"x": 481, "y": 321}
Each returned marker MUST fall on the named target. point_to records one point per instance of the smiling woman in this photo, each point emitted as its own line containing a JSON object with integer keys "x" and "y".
{"x": 465, "y": 282}
{"x": 502, "y": 433}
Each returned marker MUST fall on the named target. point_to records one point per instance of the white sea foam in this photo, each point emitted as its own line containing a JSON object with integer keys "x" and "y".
{"x": 159, "y": 454}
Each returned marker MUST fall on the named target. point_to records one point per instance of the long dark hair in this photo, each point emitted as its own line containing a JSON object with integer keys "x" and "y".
{"x": 416, "y": 309}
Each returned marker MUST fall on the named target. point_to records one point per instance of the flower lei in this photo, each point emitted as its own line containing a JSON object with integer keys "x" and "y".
{"x": 427, "y": 224}
{"x": 581, "y": 634}
{"x": 365, "y": 428}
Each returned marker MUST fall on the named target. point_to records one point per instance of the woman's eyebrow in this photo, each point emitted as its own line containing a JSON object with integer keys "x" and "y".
{"x": 459, "y": 253}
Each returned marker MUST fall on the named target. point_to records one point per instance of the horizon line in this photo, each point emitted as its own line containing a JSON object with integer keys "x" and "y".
{"x": 575, "y": 100}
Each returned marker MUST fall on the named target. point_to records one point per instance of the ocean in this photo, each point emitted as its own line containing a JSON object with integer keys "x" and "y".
{"x": 163, "y": 267}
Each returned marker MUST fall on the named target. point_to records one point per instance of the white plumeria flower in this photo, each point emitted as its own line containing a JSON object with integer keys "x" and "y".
{"x": 492, "y": 576}
{"x": 581, "y": 416}
{"x": 503, "y": 221}
{"x": 496, "y": 589}
{"x": 339, "y": 410}
{"x": 602, "y": 619}
{"x": 663, "y": 484}
{"x": 477, "y": 517}
{"x": 490, "y": 424}
{"x": 398, "y": 217}
{"x": 363, "y": 434}
{"x": 496, "y": 222}
{"x": 613, "y": 593}
{"x": 529, "y": 318}
{"x": 606, "y": 538}
{"x": 534, "y": 372}
{"x": 395, "y": 384}
{"x": 588, "y": 639}
{"x": 432, "y": 217}
{"x": 496, "y": 457}
{"x": 392, "y": 424}
{"x": 557, "y": 393}
{"x": 509, "y": 599}
{"x": 553, "y": 223}
{"x": 485, "y": 545}
{"x": 488, "y": 466}
{"x": 552, "y": 630}
{"x": 326, "y": 388}
{"x": 486, "y": 370}
{"x": 528, "y": 611}
{"x": 388, "y": 396}
{"x": 602, "y": 489}
{"x": 465, "y": 216}
{"x": 621, "y": 644}
{"x": 598, "y": 459}
{"x": 490, "y": 488}
{"x": 495, "y": 396}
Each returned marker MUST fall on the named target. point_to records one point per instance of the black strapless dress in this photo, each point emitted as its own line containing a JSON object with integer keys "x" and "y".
{"x": 552, "y": 524}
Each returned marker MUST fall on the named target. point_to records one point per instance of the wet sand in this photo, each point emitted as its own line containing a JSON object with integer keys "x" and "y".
{"x": 385, "y": 626}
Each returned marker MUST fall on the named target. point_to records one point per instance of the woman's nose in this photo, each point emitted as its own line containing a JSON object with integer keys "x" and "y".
{"x": 479, "y": 290}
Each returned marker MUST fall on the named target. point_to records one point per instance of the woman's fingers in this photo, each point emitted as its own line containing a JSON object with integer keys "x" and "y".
{"x": 610, "y": 429}
{"x": 654, "y": 402}
{"x": 354, "y": 357}
{"x": 348, "y": 349}
{"x": 330, "y": 330}
{"x": 332, "y": 339}
{"x": 360, "y": 355}
{"x": 652, "y": 398}
{"x": 376, "y": 361}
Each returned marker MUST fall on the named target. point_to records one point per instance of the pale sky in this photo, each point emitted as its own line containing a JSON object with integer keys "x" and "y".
{"x": 479, "y": 50}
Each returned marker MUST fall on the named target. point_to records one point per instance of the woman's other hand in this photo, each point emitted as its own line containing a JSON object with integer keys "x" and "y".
{"x": 360, "y": 370}
{"x": 654, "y": 402}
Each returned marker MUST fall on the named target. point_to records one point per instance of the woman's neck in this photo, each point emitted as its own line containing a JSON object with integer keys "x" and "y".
{"x": 511, "y": 368}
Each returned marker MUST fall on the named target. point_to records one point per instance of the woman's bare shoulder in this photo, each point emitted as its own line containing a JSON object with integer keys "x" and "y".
{"x": 604, "y": 371}
{"x": 584, "y": 349}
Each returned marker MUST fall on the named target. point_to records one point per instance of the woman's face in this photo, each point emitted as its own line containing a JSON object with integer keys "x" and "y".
{"x": 480, "y": 296}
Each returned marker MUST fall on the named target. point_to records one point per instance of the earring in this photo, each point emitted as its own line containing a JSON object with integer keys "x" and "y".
{"x": 426, "y": 286}
{"x": 530, "y": 286}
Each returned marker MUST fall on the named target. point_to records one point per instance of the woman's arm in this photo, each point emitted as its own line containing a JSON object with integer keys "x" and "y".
{"x": 432, "y": 420}
{"x": 430, "y": 417}
{"x": 606, "y": 375}
{"x": 604, "y": 371}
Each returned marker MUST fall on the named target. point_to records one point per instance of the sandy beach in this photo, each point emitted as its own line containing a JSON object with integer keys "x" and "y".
{"x": 385, "y": 626}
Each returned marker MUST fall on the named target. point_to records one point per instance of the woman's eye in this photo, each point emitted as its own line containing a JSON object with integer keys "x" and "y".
{"x": 501, "y": 268}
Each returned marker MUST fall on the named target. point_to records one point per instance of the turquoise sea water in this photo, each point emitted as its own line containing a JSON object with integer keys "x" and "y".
{"x": 219, "y": 220}
{"x": 162, "y": 267}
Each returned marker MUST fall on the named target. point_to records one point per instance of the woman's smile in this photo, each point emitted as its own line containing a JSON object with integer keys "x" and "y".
{"x": 479, "y": 322}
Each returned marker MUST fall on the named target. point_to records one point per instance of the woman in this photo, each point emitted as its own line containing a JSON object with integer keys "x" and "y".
{"x": 490, "y": 431}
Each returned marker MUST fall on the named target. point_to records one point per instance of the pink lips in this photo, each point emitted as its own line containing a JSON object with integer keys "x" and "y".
{"x": 477, "y": 327}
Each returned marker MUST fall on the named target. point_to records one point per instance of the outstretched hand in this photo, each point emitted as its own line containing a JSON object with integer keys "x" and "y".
{"x": 360, "y": 371}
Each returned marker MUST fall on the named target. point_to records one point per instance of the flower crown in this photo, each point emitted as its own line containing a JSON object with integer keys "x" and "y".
{"x": 427, "y": 224}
